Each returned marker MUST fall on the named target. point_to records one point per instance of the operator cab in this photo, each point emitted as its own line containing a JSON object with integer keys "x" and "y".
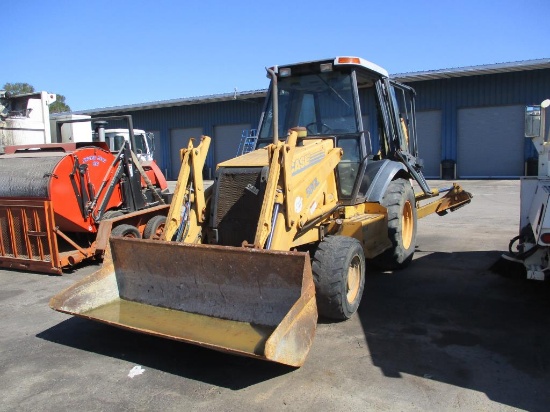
{"x": 115, "y": 138}
{"x": 324, "y": 97}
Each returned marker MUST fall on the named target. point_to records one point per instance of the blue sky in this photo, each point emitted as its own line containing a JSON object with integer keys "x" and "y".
{"x": 109, "y": 53}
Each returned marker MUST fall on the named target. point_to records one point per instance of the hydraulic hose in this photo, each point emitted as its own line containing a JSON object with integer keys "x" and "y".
{"x": 521, "y": 255}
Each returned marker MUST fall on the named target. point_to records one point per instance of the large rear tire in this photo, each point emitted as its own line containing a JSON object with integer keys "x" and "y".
{"x": 339, "y": 275}
{"x": 402, "y": 219}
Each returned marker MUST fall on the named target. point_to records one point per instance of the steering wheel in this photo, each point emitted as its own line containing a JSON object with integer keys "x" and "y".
{"x": 324, "y": 128}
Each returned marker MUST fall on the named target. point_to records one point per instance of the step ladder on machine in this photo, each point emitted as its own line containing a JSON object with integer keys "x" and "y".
{"x": 248, "y": 141}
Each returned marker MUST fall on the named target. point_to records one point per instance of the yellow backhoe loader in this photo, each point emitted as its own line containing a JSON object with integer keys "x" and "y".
{"x": 286, "y": 231}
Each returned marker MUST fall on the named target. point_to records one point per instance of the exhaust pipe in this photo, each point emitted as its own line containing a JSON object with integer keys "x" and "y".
{"x": 275, "y": 104}
{"x": 100, "y": 127}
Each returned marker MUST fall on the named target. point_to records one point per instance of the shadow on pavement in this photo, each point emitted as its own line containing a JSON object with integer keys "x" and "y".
{"x": 447, "y": 317}
{"x": 177, "y": 358}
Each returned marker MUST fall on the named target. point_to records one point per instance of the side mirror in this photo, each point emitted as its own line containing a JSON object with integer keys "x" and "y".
{"x": 533, "y": 120}
{"x": 151, "y": 140}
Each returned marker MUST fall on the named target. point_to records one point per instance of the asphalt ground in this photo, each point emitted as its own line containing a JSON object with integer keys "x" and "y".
{"x": 447, "y": 333}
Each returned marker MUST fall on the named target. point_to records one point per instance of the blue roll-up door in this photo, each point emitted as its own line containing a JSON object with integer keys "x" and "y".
{"x": 490, "y": 142}
{"x": 227, "y": 139}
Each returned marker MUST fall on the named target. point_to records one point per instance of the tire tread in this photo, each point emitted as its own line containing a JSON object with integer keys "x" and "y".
{"x": 396, "y": 257}
{"x": 328, "y": 272}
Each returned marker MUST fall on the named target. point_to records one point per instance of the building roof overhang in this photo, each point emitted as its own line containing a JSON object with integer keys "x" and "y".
{"x": 524, "y": 65}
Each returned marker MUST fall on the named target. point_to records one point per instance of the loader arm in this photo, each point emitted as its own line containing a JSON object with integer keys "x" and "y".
{"x": 309, "y": 184}
{"x": 189, "y": 178}
{"x": 271, "y": 202}
{"x": 299, "y": 189}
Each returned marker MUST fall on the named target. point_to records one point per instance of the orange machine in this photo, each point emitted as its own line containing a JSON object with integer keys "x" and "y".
{"x": 53, "y": 198}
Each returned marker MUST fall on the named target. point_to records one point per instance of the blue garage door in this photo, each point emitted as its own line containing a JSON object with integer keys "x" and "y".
{"x": 490, "y": 142}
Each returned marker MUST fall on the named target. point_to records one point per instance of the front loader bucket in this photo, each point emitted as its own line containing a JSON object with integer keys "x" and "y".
{"x": 249, "y": 302}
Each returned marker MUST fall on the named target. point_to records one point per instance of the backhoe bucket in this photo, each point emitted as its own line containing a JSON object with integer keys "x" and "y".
{"x": 244, "y": 301}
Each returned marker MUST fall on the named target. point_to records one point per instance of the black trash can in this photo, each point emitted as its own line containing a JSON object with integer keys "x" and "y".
{"x": 532, "y": 166}
{"x": 448, "y": 169}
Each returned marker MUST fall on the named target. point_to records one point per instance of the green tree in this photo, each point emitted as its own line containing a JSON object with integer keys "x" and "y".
{"x": 58, "y": 106}
{"x": 18, "y": 88}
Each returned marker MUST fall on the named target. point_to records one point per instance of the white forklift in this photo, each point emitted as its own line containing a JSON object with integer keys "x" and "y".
{"x": 532, "y": 245}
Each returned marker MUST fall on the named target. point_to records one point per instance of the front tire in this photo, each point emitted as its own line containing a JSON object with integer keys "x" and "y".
{"x": 154, "y": 227}
{"x": 339, "y": 275}
{"x": 400, "y": 202}
{"x": 126, "y": 231}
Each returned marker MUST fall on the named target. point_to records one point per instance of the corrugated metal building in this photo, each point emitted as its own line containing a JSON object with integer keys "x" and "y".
{"x": 470, "y": 120}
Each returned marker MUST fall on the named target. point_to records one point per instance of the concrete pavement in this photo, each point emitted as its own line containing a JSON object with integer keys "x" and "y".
{"x": 444, "y": 334}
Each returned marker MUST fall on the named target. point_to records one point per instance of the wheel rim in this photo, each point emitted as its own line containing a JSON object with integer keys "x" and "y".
{"x": 354, "y": 279}
{"x": 407, "y": 225}
{"x": 158, "y": 232}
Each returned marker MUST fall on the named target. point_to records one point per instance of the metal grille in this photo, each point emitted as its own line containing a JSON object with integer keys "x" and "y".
{"x": 36, "y": 236}
{"x": 17, "y": 229}
{"x": 23, "y": 232}
{"x": 6, "y": 248}
{"x": 238, "y": 204}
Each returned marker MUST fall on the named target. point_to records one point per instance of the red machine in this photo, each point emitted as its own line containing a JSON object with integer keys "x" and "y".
{"x": 54, "y": 197}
